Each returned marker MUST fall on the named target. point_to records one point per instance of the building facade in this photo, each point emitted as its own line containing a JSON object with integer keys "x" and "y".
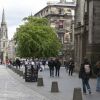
{"x": 79, "y": 32}
{"x": 93, "y": 14}
{"x": 11, "y": 49}
{"x": 60, "y": 15}
{"x": 87, "y": 31}
{"x": 3, "y": 39}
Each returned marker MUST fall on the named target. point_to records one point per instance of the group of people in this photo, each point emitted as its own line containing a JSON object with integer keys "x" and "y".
{"x": 54, "y": 64}
{"x": 24, "y": 62}
{"x": 85, "y": 74}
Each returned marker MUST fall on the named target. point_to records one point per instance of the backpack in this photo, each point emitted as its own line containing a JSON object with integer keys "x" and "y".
{"x": 87, "y": 68}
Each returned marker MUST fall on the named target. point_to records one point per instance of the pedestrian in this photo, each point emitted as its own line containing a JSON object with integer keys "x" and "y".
{"x": 85, "y": 74}
{"x": 98, "y": 76}
{"x": 18, "y": 63}
{"x": 66, "y": 65}
{"x": 51, "y": 65}
{"x": 57, "y": 67}
{"x": 71, "y": 66}
{"x": 44, "y": 63}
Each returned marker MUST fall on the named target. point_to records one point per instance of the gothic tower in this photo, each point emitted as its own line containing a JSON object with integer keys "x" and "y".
{"x": 3, "y": 39}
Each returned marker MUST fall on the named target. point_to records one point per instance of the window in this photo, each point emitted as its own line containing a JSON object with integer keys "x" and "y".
{"x": 60, "y": 10}
{"x": 61, "y": 23}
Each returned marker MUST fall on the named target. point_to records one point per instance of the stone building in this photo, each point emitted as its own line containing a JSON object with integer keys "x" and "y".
{"x": 93, "y": 16}
{"x": 3, "y": 39}
{"x": 12, "y": 49}
{"x": 87, "y": 31}
{"x": 60, "y": 15}
{"x": 79, "y": 32}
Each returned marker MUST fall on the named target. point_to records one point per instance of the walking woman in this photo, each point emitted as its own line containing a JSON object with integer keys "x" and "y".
{"x": 98, "y": 76}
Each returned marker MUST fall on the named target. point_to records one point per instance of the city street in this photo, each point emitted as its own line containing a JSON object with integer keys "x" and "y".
{"x": 54, "y": 33}
{"x": 14, "y": 87}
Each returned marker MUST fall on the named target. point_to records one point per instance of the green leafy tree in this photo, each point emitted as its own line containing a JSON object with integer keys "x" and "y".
{"x": 35, "y": 38}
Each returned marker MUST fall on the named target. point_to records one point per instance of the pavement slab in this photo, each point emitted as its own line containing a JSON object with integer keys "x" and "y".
{"x": 12, "y": 89}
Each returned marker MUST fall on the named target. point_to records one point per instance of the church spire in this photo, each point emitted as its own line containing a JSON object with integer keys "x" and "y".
{"x": 3, "y": 17}
{"x": 4, "y": 26}
{"x": 3, "y": 38}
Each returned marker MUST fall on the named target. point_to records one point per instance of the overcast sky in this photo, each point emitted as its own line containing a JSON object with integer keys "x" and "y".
{"x": 16, "y": 10}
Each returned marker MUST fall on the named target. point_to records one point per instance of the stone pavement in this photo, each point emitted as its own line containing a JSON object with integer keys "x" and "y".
{"x": 14, "y": 87}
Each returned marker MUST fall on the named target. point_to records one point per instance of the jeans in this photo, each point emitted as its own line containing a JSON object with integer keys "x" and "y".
{"x": 52, "y": 72}
{"x": 85, "y": 83}
{"x": 71, "y": 71}
{"x": 98, "y": 84}
{"x": 57, "y": 72}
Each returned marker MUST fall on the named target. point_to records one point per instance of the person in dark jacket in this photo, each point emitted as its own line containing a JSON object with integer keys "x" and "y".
{"x": 98, "y": 76}
{"x": 51, "y": 65}
{"x": 71, "y": 66}
{"x": 18, "y": 63}
{"x": 85, "y": 74}
{"x": 66, "y": 65}
{"x": 44, "y": 62}
{"x": 57, "y": 67}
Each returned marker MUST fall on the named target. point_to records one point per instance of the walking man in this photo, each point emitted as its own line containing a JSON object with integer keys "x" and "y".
{"x": 51, "y": 67}
{"x": 57, "y": 67}
{"x": 85, "y": 74}
{"x": 71, "y": 66}
{"x": 18, "y": 63}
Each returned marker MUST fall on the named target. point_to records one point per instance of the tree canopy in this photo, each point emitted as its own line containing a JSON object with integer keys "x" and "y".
{"x": 35, "y": 38}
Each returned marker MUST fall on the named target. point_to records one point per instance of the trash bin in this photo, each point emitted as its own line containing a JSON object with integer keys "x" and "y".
{"x": 31, "y": 74}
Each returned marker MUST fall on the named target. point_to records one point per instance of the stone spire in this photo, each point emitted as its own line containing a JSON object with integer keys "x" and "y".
{"x": 4, "y": 26}
{"x": 3, "y": 18}
{"x": 62, "y": 1}
{"x": 3, "y": 39}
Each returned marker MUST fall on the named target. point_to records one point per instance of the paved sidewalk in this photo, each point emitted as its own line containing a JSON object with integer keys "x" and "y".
{"x": 12, "y": 89}
{"x": 66, "y": 85}
{"x": 17, "y": 86}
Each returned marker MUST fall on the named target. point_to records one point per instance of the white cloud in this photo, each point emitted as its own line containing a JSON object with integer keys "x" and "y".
{"x": 11, "y": 31}
{"x": 16, "y": 10}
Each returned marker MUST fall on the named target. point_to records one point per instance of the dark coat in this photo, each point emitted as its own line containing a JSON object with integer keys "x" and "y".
{"x": 57, "y": 64}
{"x": 71, "y": 64}
{"x": 83, "y": 74}
{"x": 18, "y": 62}
{"x": 97, "y": 71}
{"x": 51, "y": 64}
